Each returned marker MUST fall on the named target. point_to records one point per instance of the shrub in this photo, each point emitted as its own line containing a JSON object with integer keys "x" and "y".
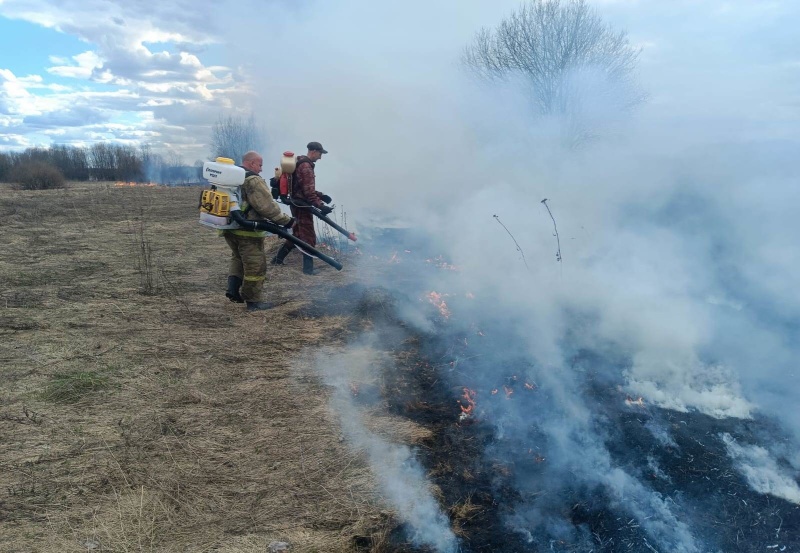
{"x": 36, "y": 175}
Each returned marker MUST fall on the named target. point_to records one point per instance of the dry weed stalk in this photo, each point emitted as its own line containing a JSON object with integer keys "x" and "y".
{"x": 333, "y": 238}
{"x": 145, "y": 263}
{"x": 555, "y": 227}
{"x": 519, "y": 249}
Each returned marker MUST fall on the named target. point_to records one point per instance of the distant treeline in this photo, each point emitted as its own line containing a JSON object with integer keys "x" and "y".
{"x": 104, "y": 162}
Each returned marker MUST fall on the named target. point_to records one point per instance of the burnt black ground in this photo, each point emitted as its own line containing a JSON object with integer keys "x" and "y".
{"x": 680, "y": 456}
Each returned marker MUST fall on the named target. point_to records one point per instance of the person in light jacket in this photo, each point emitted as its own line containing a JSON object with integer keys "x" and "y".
{"x": 248, "y": 268}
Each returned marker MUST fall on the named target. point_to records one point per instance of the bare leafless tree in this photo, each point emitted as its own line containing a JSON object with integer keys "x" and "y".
{"x": 6, "y": 164}
{"x": 558, "y": 47}
{"x": 234, "y": 135}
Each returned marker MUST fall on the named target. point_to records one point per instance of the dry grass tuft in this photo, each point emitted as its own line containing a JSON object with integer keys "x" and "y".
{"x": 464, "y": 511}
{"x": 71, "y": 387}
{"x": 134, "y": 520}
{"x": 398, "y": 430}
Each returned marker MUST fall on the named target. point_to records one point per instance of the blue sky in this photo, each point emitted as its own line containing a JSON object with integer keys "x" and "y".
{"x": 79, "y": 71}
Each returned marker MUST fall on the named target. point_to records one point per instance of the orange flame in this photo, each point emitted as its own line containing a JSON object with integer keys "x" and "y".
{"x": 468, "y": 405}
{"x": 529, "y": 386}
{"x": 121, "y": 184}
{"x": 638, "y": 402}
{"x": 437, "y": 300}
{"x": 494, "y": 392}
{"x": 439, "y": 262}
{"x": 509, "y": 392}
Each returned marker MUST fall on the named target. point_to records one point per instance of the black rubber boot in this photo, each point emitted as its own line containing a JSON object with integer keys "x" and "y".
{"x": 234, "y": 283}
{"x": 259, "y": 305}
{"x": 281, "y": 255}
{"x": 308, "y": 265}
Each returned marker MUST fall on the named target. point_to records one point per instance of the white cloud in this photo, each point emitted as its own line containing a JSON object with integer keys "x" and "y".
{"x": 152, "y": 50}
{"x": 84, "y": 66}
{"x": 11, "y": 86}
{"x": 120, "y": 57}
{"x": 190, "y": 60}
{"x": 7, "y": 120}
{"x": 14, "y": 141}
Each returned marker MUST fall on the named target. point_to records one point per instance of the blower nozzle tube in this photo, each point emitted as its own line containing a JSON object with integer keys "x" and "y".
{"x": 268, "y": 226}
{"x": 317, "y": 213}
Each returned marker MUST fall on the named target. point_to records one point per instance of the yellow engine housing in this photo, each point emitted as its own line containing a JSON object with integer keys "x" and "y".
{"x": 215, "y": 202}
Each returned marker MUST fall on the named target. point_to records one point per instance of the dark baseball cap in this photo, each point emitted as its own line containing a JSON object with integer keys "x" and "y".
{"x": 316, "y": 146}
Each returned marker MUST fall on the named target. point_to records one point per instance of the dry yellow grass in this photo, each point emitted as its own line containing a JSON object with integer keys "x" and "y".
{"x": 141, "y": 411}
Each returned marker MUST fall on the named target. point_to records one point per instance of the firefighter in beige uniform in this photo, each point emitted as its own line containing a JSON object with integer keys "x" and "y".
{"x": 248, "y": 262}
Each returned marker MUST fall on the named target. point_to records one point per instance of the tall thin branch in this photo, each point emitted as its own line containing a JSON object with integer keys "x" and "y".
{"x": 558, "y": 241}
{"x": 515, "y": 241}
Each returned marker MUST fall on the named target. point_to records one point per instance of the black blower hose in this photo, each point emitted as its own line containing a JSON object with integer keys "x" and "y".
{"x": 238, "y": 217}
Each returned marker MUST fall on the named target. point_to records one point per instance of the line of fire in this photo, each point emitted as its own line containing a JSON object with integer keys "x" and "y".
{"x": 512, "y": 462}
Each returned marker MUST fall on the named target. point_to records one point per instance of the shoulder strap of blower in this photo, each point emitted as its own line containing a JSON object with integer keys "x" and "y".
{"x": 296, "y": 167}
{"x": 275, "y": 183}
{"x": 246, "y": 204}
{"x": 300, "y": 162}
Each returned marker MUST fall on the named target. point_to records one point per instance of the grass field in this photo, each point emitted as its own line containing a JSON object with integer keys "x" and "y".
{"x": 142, "y": 411}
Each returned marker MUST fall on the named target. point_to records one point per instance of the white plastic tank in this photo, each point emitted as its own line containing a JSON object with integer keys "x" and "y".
{"x": 288, "y": 162}
{"x": 223, "y": 173}
{"x": 226, "y": 178}
{"x": 214, "y": 221}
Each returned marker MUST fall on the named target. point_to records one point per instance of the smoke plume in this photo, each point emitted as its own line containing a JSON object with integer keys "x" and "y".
{"x": 677, "y": 225}
{"x": 397, "y": 470}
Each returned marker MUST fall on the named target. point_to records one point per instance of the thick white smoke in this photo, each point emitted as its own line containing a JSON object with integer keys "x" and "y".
{"x": 761, "y": 471}
{"x": 397, "y": 470}
{"x": 677, "y": 225}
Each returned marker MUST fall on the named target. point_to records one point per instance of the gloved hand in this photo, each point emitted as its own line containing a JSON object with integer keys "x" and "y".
{"x": 290, "y": 224}
{"x": 325, "y": 209}
{"x": 325, "y": 198}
